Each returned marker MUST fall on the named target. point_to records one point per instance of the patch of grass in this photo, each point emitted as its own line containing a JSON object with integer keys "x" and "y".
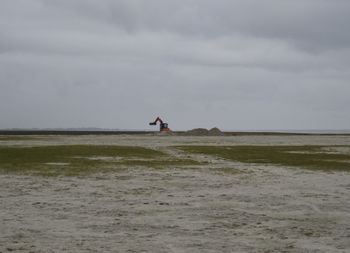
{"x": 78, "y": 159}
{"x": 310, "y": 157}
{"x": 17, "y": 138}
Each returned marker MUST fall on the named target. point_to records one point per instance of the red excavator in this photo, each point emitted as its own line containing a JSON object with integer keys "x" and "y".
{"x": 163, "y": 127}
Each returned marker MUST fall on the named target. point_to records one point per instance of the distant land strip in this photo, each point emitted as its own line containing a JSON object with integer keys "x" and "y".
{"x": 180, "y": 133}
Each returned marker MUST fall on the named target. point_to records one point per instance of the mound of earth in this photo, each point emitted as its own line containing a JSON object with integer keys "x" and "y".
{"x": 215, "y": 132}
{"x": 198, "y": 131}
{"x": 205, "y": 132}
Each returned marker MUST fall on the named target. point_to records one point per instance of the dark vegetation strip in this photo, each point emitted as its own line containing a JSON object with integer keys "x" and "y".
{"x": 309, "y": 157}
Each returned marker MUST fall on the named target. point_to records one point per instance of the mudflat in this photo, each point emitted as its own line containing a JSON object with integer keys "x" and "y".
{"x": 146, "y": 193}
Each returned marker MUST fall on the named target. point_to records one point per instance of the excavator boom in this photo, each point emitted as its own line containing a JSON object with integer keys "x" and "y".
{"x": 163, "y": 127}
{"x": 155, "y": 122}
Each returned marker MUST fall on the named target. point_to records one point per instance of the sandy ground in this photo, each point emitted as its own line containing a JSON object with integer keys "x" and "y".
{"x": 220, "y": 207}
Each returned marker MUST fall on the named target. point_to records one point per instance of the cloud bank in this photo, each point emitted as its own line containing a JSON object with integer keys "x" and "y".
{"x": 235, "y": 64}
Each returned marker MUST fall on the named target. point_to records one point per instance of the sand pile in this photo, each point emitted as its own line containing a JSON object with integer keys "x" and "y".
{"x": 205, "y": 132}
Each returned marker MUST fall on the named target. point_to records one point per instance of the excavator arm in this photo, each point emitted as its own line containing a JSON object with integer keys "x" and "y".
{"x": 163, "y": 127}
{"x": 156, "y": 121}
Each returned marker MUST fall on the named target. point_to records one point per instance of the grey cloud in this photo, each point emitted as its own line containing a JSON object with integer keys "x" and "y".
{"x": 309, "y": 23}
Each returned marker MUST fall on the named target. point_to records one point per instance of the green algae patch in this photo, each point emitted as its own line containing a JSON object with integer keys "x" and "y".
{"x": 161, "y": 163}
{"x": 80, "y": 159}
{"x": 309, "y": 157}
{"x": 18, "y": 138}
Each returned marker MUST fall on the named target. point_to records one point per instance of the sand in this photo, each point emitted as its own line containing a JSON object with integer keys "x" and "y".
{"x": 219, "y": 207}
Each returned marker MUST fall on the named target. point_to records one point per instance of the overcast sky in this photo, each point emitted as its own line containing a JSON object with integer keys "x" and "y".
{"x": 234, "y": 64}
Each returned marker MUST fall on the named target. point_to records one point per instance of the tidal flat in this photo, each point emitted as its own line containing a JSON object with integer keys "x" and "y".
{"x": 151, "y": 193}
